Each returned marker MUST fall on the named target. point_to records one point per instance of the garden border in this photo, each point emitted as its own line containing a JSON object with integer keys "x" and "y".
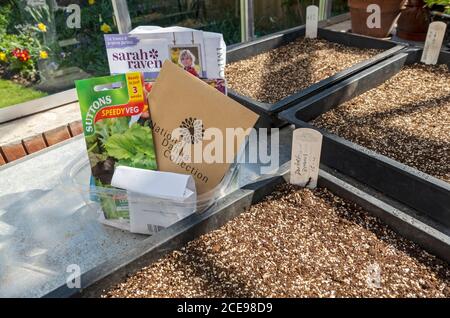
{"x": 407, "y": 222}
{"x": 418, "y": 190}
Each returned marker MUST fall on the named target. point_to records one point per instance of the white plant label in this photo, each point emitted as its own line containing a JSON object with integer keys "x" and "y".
{"x": 305, "y": 158}
{"x": 312, "y": 22}
{"x": 433, "y": 43}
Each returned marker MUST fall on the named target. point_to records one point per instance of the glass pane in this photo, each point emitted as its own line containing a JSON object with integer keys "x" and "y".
{"x": 51, "y": 43}
{"x": 82, "y": 46}
{"x": 276, "y": 15}
{"x": 339, "y": 7}
{"x": 217, "y": 16}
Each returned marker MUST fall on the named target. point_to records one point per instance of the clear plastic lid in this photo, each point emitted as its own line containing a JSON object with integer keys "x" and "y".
{"x": 77, "y": 177}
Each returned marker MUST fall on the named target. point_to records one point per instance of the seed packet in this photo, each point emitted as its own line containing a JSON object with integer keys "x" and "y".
{"x": 117, "y": 132}
{"x": 199, "y": 111}
{"x": 133, "y": 54}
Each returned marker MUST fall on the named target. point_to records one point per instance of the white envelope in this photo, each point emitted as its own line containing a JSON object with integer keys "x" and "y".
{"x": 156, "y": 199}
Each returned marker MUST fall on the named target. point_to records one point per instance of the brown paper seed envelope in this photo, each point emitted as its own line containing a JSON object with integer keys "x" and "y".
{"x": 179, "y": 99}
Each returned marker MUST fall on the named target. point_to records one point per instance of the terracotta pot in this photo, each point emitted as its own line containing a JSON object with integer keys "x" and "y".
{"x": 413, "y": 22}
{"x": 390, "y": 11}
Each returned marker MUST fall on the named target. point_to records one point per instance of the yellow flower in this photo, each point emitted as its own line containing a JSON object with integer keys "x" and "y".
{"x": 42, "y": 27}
{"x": 43, "y": 55}
{"x": 105, "y": 28}
{"x": 91, "y": 2}
{"x": 3, "y": 57}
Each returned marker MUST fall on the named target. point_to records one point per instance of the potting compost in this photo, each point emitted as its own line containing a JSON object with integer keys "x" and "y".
{"x": 296, "y": 243}
{"x": 407, "y": 118}
{"x": 270, "y": 76}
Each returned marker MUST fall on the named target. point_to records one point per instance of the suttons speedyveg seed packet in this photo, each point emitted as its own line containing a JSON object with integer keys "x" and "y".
{"x": 117, "y": 130}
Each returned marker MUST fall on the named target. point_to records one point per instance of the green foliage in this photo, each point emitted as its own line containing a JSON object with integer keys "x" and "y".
{"x": 103, "y": 130}
{"x": 191, "y": 14}
{"x": 444, "y": 3}
{"x": 14, "y": 34}
{"x": 133, "y": 148}
{"x": 130, "y": 146}
{"x": 294, "y": 14}
{"x": 9, "y": 42}
{"x": 4, "y": 18}
{"x": 38, "y": 15}
{"x": 90, "y": 53}
{"x": 111, "y": 126}
{"x": 9, "y": 16}
{"x": 229, "y": 26}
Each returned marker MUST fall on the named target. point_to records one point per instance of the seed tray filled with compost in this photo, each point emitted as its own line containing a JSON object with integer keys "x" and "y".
{"x": 388, "y": 127}
{"x": 277, "y": 71}
{"x": 296, "y": 243}
{"x": 407, "y": 118}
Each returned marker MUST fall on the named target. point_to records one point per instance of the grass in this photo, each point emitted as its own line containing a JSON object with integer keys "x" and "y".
{"x": 12, "y": 93}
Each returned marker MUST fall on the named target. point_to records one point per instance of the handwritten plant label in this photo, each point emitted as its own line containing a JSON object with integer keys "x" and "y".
{"x": 305, "y": 158}
{"x": 312, "y": 22}
{"x": 433, "y": 43}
